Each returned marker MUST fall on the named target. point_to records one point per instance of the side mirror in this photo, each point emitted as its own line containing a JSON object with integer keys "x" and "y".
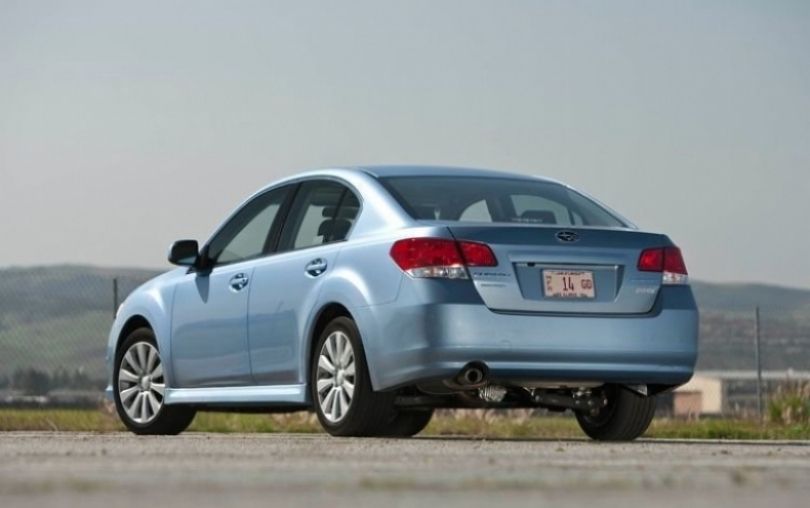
{"x": 184, "y": 252}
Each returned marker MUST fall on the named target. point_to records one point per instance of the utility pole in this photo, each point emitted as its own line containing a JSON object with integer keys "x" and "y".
{"x": 759, "y": 364}
{"x": 115, "y": 296}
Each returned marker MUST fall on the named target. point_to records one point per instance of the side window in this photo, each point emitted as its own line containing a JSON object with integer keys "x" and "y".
{"x": 323, "y": 212}
{"x": 344, "y": 217}
{"x": 539, "y": 210}
{"x": 247, "y": 235}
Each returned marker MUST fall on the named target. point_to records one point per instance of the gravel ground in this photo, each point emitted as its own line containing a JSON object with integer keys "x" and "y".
{"x": 197, "y": 470}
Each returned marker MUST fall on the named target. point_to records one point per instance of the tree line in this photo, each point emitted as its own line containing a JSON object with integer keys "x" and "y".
{"x": 33, "y": 381}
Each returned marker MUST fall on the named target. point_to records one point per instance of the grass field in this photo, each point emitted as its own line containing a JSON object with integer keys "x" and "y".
{"x": 478, "y": 424}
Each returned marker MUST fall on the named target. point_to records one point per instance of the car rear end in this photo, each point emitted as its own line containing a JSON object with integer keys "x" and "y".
{"x": 543, "y": 288}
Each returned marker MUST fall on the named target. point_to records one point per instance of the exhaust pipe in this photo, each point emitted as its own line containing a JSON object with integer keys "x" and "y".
{"x": 473, "y": 375}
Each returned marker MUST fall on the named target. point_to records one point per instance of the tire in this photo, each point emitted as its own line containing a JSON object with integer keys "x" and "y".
{"x": 626, "y": 417}
{"x": 142, "y": 409}
{"x": 407, "y": 423}
{"x": 367, "y": 411}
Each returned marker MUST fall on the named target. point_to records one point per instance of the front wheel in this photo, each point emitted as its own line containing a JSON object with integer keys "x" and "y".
{"x": 139, "y": 387}
{"x": 344, "y": 401}
{"x": 626, "y": 416}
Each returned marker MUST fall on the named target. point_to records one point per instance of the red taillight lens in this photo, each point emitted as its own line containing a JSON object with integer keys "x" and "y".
{"x": 673, "y": 261}
{"x": 651, "y": 260}
{"x": 440, "y": 257}
{"x": 477, "y": 254}
{"x": 667, "y": 260}
{"x": 425, "y": 252}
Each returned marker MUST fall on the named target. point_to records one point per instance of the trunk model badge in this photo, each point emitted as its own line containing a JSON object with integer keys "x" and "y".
{"x": 567, "y": 236}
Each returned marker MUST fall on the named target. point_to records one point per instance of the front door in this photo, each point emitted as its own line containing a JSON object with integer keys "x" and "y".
{"x": 209, "y": 320}
{"x": 209, "y": 330}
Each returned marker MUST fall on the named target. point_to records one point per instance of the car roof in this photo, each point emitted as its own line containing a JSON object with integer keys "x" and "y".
{"x": 419, "y": 170}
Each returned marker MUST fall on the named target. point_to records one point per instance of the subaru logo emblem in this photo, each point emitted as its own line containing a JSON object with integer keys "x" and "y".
{"x": 567, "y": 236}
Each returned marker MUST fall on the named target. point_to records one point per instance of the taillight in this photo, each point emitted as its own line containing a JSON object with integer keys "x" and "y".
{"x": 477, "y": 254}
{"x": 440, "y": 257}
{"x": 651, "y": 260}
{"x": 666, "y": 260}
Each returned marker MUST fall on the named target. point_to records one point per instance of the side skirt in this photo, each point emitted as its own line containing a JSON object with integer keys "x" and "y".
{"x": 276, "y": 394}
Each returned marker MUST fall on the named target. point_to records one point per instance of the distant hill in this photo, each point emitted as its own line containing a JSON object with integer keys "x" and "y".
{"x": 727, "y": 326}
{"x": 774, "y": 301}
{"x": 58, "y": 317}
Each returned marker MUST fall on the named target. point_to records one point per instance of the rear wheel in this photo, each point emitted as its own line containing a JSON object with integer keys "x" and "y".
{"x": 407, "y": 423}
{"x": 139, "y": 386}
{"x": 626, "y": 416}
{"x": 344, "y": 401}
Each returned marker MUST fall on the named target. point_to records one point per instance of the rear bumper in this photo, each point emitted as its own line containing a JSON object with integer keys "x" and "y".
{"x": 408, "y": 344}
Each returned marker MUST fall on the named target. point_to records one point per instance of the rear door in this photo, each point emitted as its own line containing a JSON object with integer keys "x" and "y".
{"x": 285, "y": 286}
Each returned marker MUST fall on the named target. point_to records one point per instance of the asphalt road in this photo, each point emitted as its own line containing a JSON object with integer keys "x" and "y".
{"x": 200, "y": 470}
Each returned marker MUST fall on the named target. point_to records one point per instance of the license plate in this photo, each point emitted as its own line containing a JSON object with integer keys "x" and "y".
{"x": 568, "y": 284}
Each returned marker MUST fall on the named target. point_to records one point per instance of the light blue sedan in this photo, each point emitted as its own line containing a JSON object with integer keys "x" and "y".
{"x": 374, "y": 295}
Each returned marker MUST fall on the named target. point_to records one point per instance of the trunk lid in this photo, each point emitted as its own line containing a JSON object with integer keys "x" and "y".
{"x": 530, "y": 257}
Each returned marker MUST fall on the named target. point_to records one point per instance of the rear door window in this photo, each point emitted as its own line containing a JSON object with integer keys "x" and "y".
{"x": 323, "y": 212}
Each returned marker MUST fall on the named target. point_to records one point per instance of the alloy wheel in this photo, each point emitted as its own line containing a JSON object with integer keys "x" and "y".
{"x": 141, "y": 384}
{"x": 336, "y": 376}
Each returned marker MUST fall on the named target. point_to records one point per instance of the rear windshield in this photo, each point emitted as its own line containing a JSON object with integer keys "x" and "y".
{"x": 482, "y": 199}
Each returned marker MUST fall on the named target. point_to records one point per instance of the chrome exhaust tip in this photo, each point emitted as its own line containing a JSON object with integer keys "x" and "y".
{"x": 473, "y": 375}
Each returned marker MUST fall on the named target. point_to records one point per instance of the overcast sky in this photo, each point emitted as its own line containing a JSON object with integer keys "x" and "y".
{"x": 125, "y": 126}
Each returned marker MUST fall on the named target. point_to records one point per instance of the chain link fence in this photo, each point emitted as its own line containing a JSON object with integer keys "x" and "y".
{"x": 54, "y": 323}
{"x": 732, "y": 377}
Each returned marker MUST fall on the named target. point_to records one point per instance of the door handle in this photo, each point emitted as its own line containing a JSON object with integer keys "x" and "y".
{"x": 239, "y": 282}
{"x": 316, "y": 267}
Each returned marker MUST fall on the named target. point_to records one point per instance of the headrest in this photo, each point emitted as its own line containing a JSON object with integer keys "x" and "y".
{"x": 334, "y": 229}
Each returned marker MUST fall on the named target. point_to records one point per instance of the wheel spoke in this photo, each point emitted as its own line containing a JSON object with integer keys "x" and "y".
{"x": 125, "y": 375}
{"x": 133, "y": 407}
{"x": 130, "y": 358}
{"x": 347, "y": 356}
{"x": 141, "y": 350}
{"x": 339, "y": 348}
{"x": 349, "y": 370}
{"x": 144, "y": 407}
{"x": 153, "y": 403}
{"x": 129, "y": 392}
{"x": 344, "y": 400}
{"x": 325, "y": 383}
{"x": 328, "y": 401}
{"x": 336, "y": 404}
{"x": 330, "y": 349}
{"x": 157, "y": 373}
{"x": 349, "y": 389}
{"x": 158, "y": 388}
{"x": 325, "y": 364}
{"x": 151, "y": 359}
